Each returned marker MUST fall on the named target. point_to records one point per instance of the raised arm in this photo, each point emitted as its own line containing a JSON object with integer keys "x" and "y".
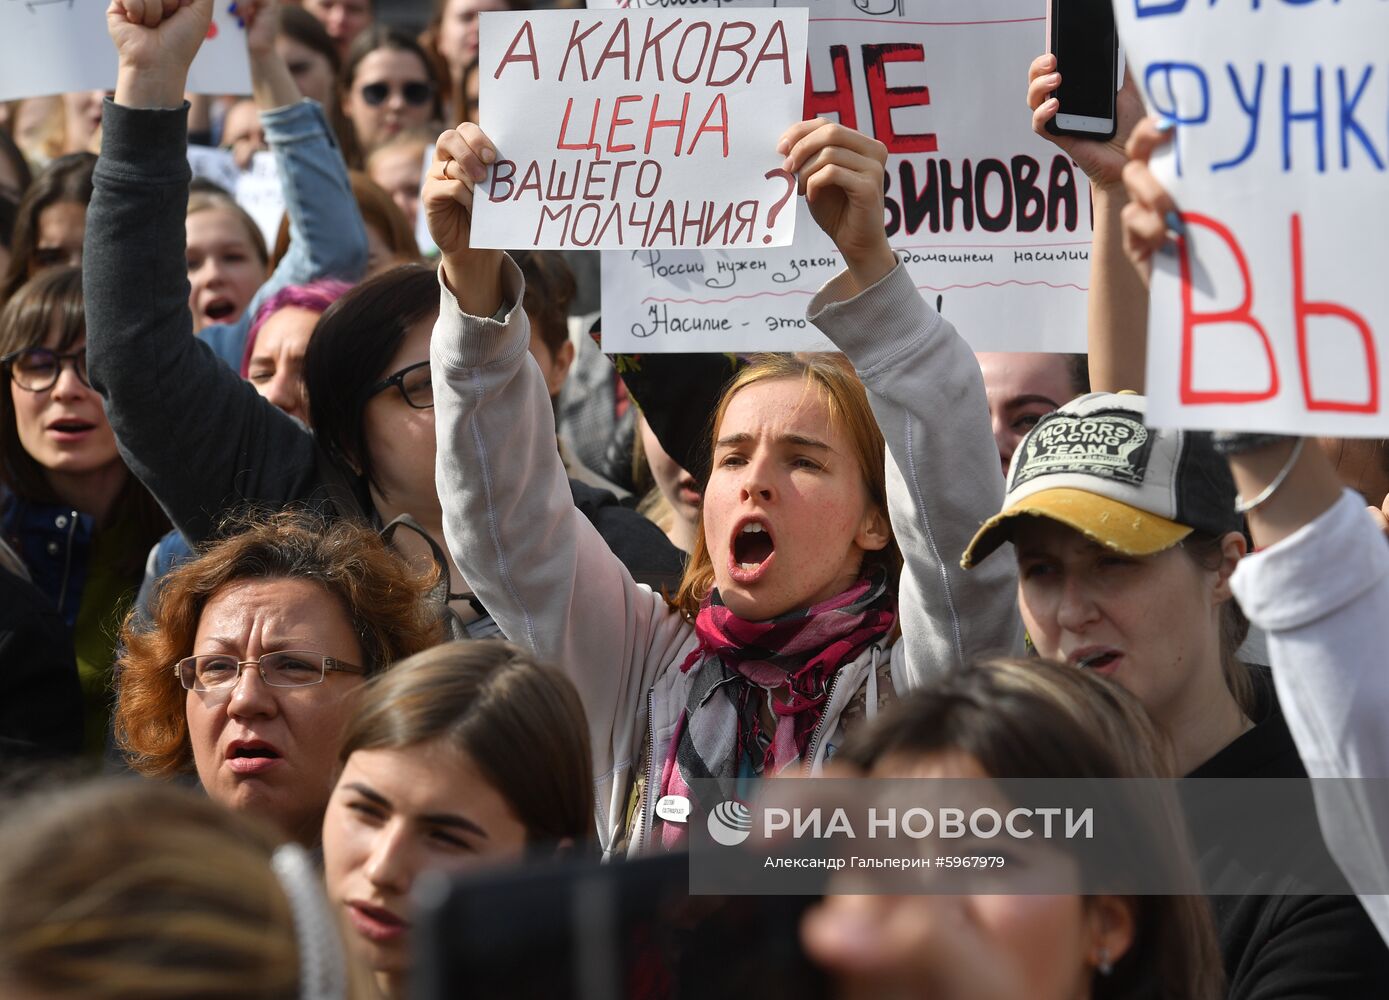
{"x": 1117, "y": 306}
{"x": 1319, "y": 586}
{"x": 928, "y": 396}
{"x": 327, "y": 237}
{"x": 536, "y": 563}
{"x": 199, "y": 437}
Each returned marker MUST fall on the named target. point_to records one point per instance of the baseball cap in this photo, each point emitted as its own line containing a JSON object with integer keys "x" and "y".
{"x": 1093, "y": 465}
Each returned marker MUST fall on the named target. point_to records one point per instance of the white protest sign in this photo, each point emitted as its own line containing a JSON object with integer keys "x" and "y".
{"x": 259, "y": 192}
{"x": 256, "y": 189}
{"x": 1271, "y": 312}
{"x": 215, "y": 165}
{"x": 992, "y": 220}
{"x": 56, "y": 46}
{"x": 421, "y": 220}
{"x": 648, "y": 130}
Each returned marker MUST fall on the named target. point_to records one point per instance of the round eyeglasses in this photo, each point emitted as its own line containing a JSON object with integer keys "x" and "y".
{"x": 290, "y": 668}
{"x": 414, "y": 384}
{"x": 37, "y": 368}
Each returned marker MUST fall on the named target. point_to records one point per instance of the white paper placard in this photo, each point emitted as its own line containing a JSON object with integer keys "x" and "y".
{"x": 256, "y": 189}
{"x": 259, "y": 192}
{"x": 1271, "y": 314}
{"x": 645, "y": 130}
{"x": 57, "y": 46}
{"x": 993, "y": 221}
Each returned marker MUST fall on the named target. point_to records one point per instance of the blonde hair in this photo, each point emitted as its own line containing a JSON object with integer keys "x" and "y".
{"x": 205, "y": 201}
{"x": 125, "y": 890}
{"x": 839, "y": 388}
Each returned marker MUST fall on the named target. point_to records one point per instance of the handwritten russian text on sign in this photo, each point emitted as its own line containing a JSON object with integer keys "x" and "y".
{"x": 1271, "y": 313}
{"x": 56, "y": 46}
{"x": 990, "y": 219}
{"x": 647, "y": 130}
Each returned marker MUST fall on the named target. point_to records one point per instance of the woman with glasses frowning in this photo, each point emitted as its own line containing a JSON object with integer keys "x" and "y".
{"x": 249, "y": 668}
{"x": 68, "y": 504}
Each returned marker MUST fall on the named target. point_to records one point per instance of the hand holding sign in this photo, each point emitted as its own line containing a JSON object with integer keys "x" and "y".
{"x": 841, "y": 176}
{"x": 156, "y": 41}
{"x": 461, "y": 157}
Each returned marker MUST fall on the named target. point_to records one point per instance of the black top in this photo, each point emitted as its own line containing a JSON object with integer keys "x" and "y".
{"x": 40, "y": 695}
{"x": 1286, "y": 947}
{"x": 200, "y": 437}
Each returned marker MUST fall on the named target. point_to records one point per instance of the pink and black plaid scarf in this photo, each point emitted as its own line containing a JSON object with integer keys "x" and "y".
{"x": 721, "y": 733}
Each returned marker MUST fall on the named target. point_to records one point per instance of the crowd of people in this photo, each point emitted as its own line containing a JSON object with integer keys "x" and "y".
{"x": 351, "y": 558}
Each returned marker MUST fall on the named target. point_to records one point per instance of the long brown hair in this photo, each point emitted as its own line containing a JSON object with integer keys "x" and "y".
{"x": 387, "y": 603}
{"x": 125, "y": 890}
{"x": 520, "y": 722}
{"x": 1033, "y": 718}
{"x": 844, "y": 396}
{"x": 52, "y": 299}
{"x": 68, "y": 179}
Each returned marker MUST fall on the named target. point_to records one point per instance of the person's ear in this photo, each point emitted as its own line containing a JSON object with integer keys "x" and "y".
{"x": 875, "y": 531}
{"x": 1111, "y": 930}
{"x": 1233, "y": 547}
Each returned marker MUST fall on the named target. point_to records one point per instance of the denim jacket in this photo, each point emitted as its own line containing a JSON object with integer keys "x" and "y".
{"x": 327, "y": 237}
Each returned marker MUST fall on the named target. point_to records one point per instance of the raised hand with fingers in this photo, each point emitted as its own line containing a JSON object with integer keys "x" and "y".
{"x": 158, "y": 35}
{"x": 261, "y": 18}
{"x": 1102, "y": 160}
{"x": 840, "y": 172}
{"x": 1150, "y": 212}
{"x": 461, "y": 159}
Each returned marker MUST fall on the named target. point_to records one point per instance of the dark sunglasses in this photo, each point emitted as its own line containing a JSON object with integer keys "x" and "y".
{"x": 415, "y": 93}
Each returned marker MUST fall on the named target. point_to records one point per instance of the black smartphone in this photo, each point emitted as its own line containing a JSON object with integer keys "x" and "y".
{"x": 1083, "y": 38}
{"x": 629, "y": 930}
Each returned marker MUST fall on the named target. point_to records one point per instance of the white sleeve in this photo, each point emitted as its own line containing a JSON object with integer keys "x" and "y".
{"x": 1322, "y": 595}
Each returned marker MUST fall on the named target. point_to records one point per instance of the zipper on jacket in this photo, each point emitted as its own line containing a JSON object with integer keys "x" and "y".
{"x": 67, "y": 562}
{"x": 820, "y": 729}
{"x": 647, "y": 797}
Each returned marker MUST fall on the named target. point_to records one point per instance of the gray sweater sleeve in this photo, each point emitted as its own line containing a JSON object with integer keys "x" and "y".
{"x": 536, "y": 563}
{"x": 943, "y": 478}
{"x": 199, "y": 438}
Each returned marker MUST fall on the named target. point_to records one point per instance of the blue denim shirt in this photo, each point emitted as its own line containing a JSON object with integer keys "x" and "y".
{"x": 327, "y": 237}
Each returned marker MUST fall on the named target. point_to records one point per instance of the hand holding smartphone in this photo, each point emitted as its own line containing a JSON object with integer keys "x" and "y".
{"x": 1082, "y": 36}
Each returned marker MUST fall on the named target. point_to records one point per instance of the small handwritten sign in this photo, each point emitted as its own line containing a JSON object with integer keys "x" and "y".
{"x": 643, "y": 130}
{"x": 256, "y": 189}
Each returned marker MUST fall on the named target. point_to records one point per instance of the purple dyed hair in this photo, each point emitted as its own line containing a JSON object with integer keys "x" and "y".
{"x": 316, "y": 297}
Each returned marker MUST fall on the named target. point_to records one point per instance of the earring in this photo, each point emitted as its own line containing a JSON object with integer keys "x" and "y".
{"x": 1104, "y": 966}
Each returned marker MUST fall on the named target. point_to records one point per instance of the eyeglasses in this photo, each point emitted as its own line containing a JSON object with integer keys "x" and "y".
{"x": 414, "y": 384}
{"x": 415, "y": 93}
{"x": 290, "y": 668}
{"x": 37, "y": 368}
